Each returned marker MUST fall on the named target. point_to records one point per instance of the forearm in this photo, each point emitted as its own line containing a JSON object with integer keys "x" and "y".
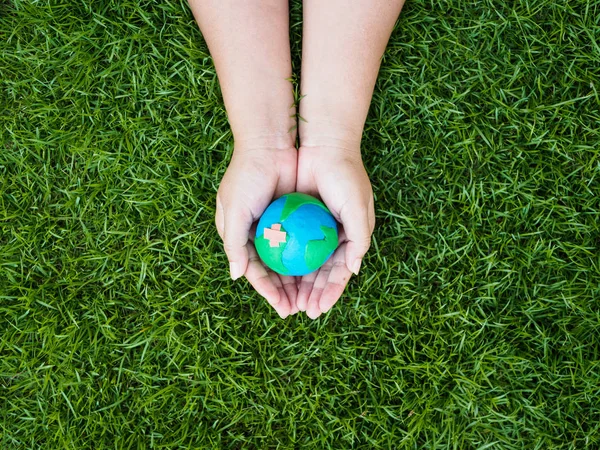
{"x": 249, "y": 43}
{"x": 342, "y": 49}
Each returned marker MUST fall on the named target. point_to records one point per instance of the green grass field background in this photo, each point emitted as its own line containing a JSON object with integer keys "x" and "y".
{"x": 474, "y": 323}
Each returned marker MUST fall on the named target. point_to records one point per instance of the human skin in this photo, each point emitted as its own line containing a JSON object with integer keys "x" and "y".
{"x": 342, "y": 47}
{"x": 249, "y": 43}
{"x": 343, "y": 42}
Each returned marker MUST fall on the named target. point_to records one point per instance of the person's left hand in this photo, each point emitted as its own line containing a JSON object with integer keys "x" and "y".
{"x": 338, "y": 177}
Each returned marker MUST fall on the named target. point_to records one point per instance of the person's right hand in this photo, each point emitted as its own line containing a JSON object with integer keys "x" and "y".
{"x": 254, "y": 178}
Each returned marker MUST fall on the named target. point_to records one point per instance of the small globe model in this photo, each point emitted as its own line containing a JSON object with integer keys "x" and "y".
{"x": 296, "y": 235}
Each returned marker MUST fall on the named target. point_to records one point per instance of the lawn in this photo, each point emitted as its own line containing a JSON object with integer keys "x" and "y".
{"x": 475, "y": 321}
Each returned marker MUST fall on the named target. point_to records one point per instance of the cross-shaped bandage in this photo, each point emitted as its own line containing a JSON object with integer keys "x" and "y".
{"x": 274, "y": 235}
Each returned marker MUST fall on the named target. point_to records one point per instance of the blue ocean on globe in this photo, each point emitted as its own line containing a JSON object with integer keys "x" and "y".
{"x": 306, "y": 223}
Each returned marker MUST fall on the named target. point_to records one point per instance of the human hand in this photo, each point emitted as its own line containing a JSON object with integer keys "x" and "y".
{"x": 338, "y": 177}
{"x": 253, "y": 179}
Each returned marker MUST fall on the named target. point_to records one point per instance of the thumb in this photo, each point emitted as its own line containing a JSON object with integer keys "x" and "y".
{"x": 358, "y": 221}
{"x": 237, "y": 221}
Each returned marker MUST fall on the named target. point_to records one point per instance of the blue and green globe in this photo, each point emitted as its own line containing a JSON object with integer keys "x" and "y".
{"x": 296, "y": 235}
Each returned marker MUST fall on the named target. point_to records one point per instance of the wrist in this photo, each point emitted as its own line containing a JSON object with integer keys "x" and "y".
{"x": 266, "y": 122}
{"x": 329, "y": 132}
{"x": 264, "y": 141}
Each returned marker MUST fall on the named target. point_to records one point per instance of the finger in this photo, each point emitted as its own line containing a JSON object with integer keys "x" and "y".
{"x": 237, "y": 223}
{"x": 291, "y": 289}
{"x": 259, "y": 278}
{"x": 282, "y": 308}
{"x": 359, "y": 221}
{"x": 294, "y": 309}
{"x": 312, "y": 308}
{"x": 337, "y": 281}
{"x": 306, "y": 285}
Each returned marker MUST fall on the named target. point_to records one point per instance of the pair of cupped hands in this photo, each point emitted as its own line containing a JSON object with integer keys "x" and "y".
{"x": 255, "y": 177}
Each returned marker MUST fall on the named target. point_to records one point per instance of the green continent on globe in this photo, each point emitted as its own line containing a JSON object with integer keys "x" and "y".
{"x": 273, "y": 254}
{"x": 317, "y": 251}
{"x": 295, "y": 235}
{"x": 295, "y": 200}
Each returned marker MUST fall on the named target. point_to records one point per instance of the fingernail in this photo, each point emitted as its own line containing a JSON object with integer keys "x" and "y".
{"x": 235, "y": 270}
{"x": 356, "y": 266}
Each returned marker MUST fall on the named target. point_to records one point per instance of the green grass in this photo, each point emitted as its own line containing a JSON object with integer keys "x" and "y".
{"x": 474, "y": 324}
